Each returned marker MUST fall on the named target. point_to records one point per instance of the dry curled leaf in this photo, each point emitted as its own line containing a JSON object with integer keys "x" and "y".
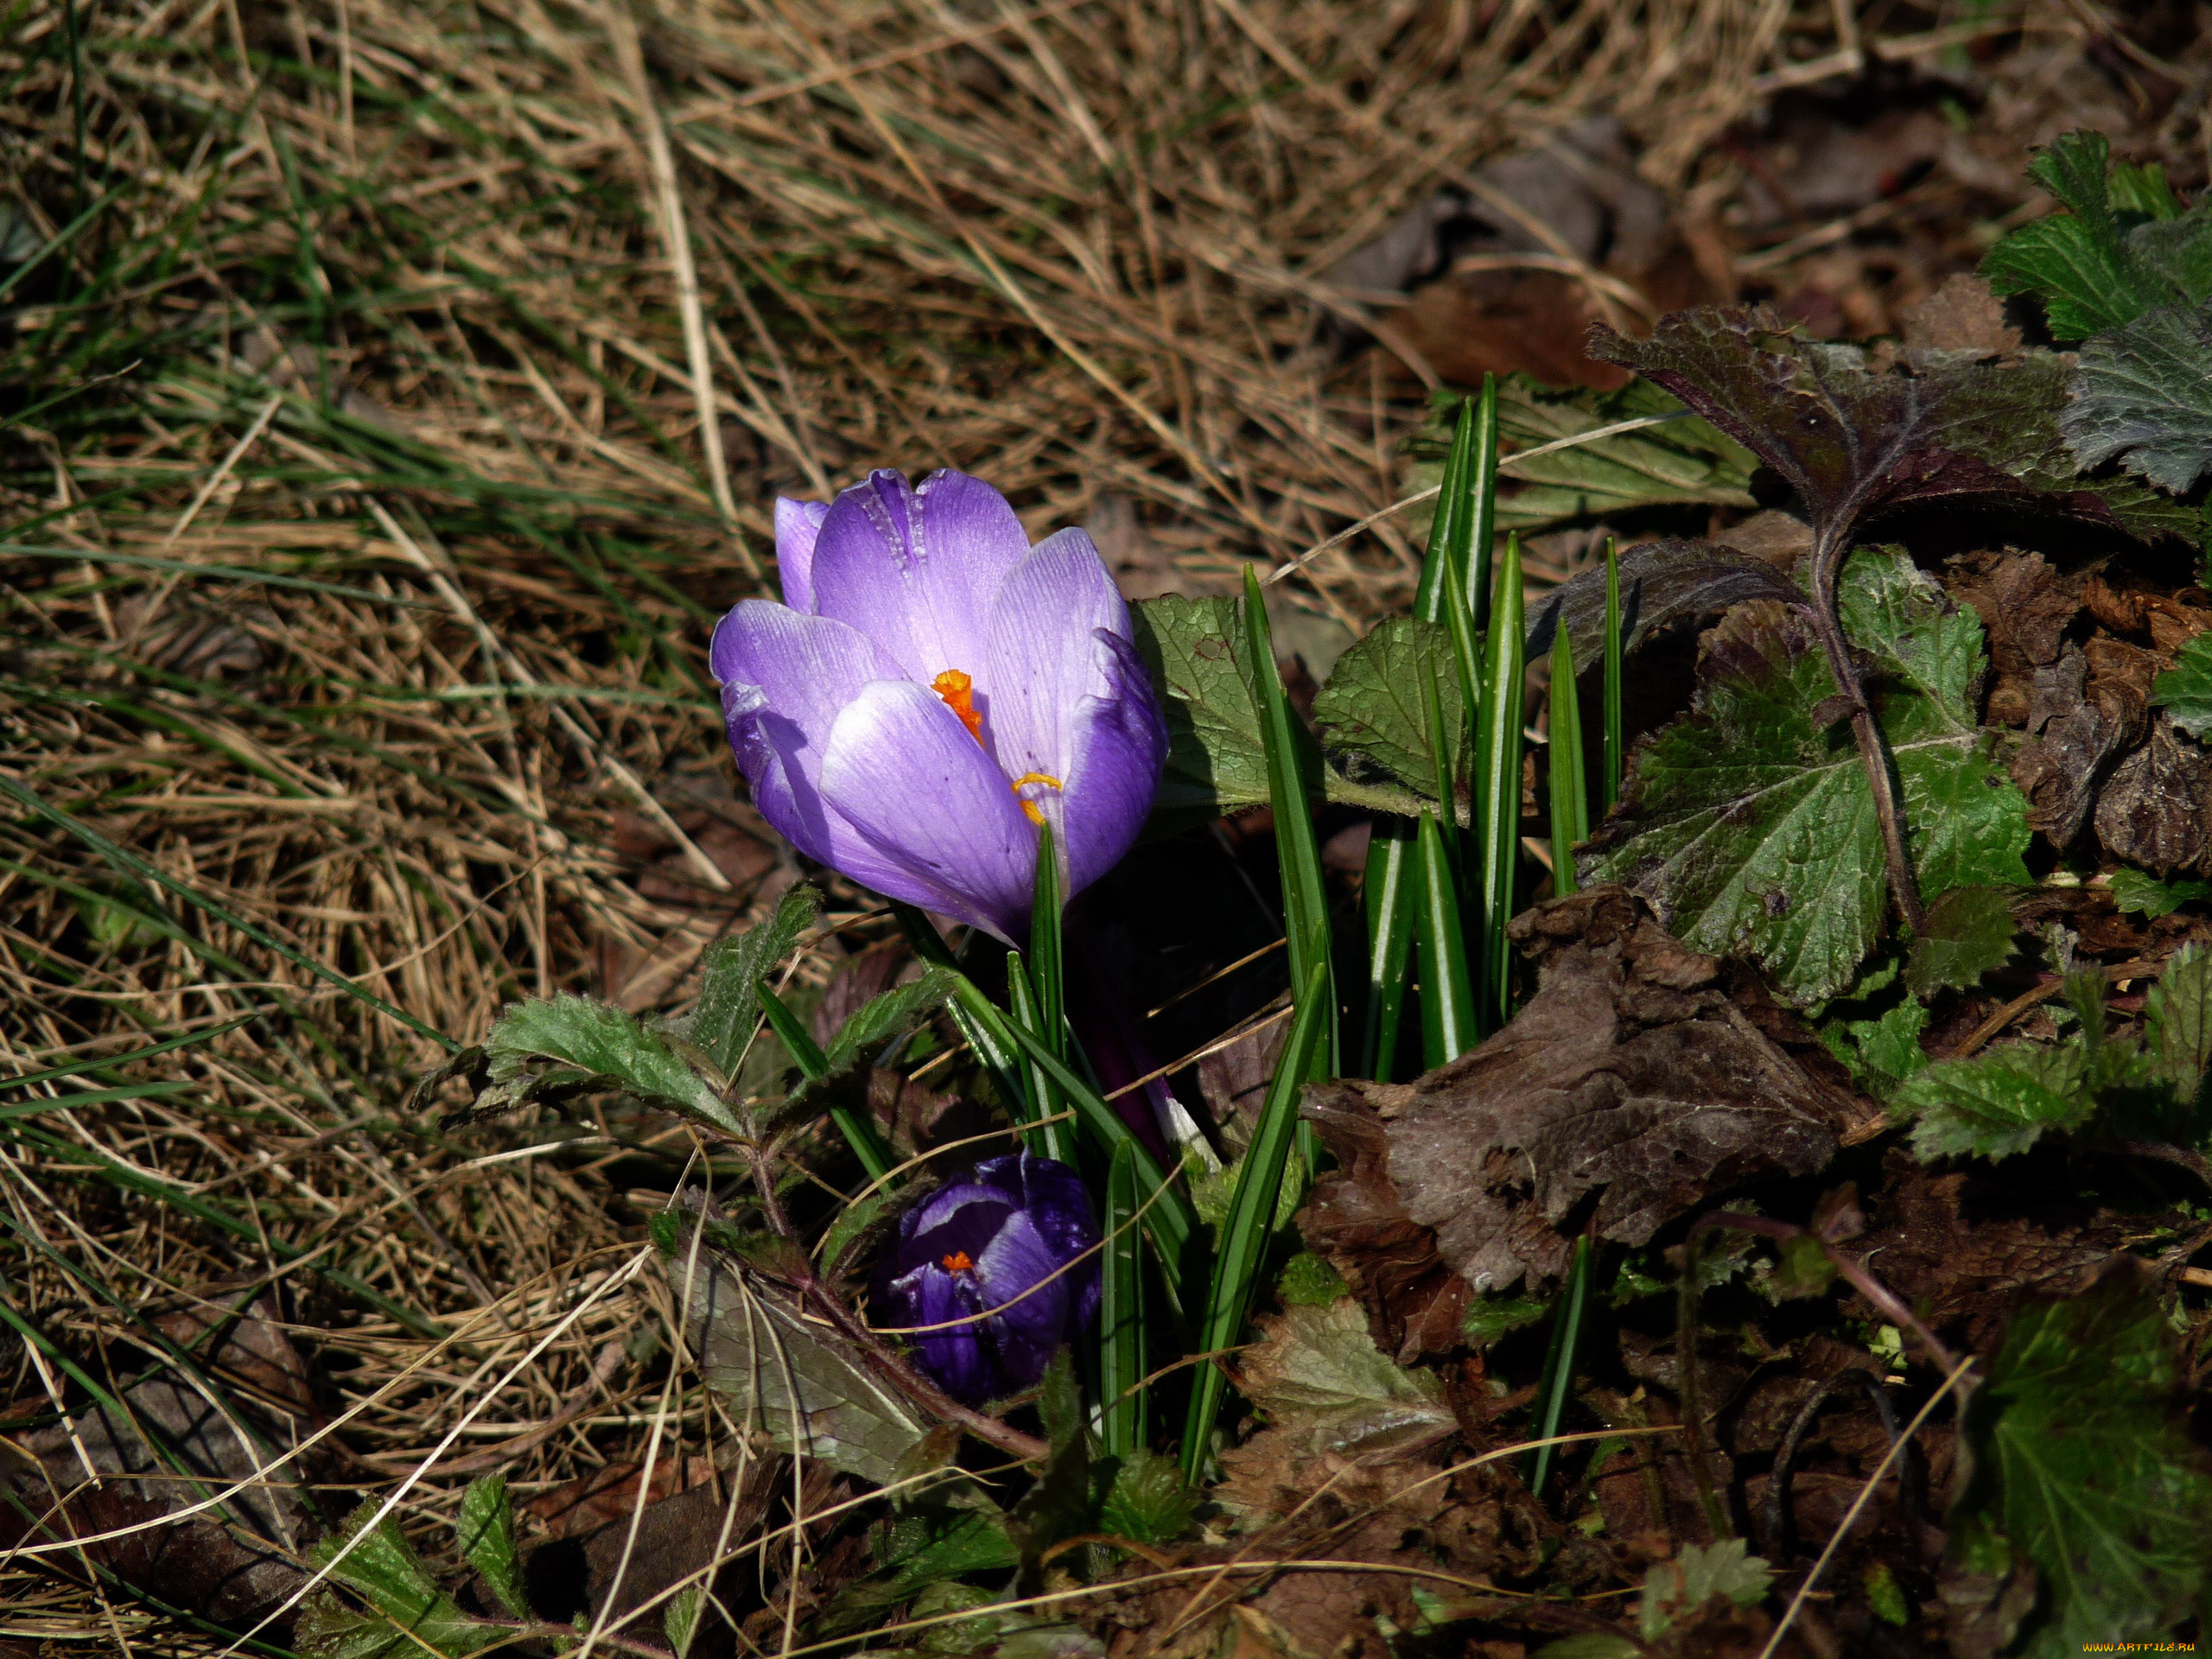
{"x": 1641, "y": 1070}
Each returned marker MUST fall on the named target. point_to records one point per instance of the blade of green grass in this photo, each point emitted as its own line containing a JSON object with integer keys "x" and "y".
{"x": 1496, "y": 851}
{"x": 80, "y": 1067}
{"x": 1570, "y": 799}
{"x": 1291, "y": 789}
{"x": 1171, "y": 1221}
{"x": 1121, "y": 1367}
{"x": 1556, "y": 1386}
{"x": 1250, "y": 1221}
{"x": 1615, "y": 753}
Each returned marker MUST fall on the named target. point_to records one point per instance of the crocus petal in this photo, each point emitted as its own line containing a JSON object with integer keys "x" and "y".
{"x": 948, "y": 833}
{"x": 1032, "y": 1318}
{"x": 1042, "y": 664}
{"x": 955, "y": 1358}
{"x": 798, "y": 525}
{"x": 916, "y": 568}
{"x": 1057, "y": 1204}
{"x": 786, "y": 678}
{"x": 1121, "y": 743}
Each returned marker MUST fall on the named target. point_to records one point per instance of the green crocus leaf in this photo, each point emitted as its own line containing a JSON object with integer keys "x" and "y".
{"x": 1998, "y": 1102}
{"x": 1751, "y": 825}
{"x": 2084, "y": 1472}
{"x": 2143, "y": 393}
{"x": 1374, "y": 705}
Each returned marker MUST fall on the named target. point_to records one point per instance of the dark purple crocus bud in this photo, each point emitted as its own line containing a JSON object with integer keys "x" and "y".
{"x": 980, "y": 1244}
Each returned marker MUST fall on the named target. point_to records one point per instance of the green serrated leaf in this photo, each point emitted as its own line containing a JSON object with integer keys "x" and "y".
{"x": 1684, "y": 460}
{"x": 1490, "y": 1318}
{"x": 605, "y": 1043}
{"x": 1998, "y": 1102}
{"x": 1969, "y": 933}
{"x": 2140, "y": 894}
{"x": 487, "y": 1541}
{"x": 2185, "y": 690}
{"x": 1751, "y": 827}
{"x": 2078, "y": 263}
{"x": 1149, "y": 1502}
{"x": 2177, "y": 1019}
{"x": 720, "y": 1025}
{"x": 1217, "y": 758}
{"x": 1374, "y": 705}
{"x": 2083, "y": 1466}
{"x": 407, "y": 1612}
{"x": 679, "y": 1619}
{"x": 1318, "y": 1369}
{"x": 1881, "y": 1052}
{"x": 1673, "y": 1590}
{"x": 927, "y": 1544}
{"x": 1308, "y": 1280}
{"x": 2143, "y": 393}
{"x": 789, "y": 1377}
{"x": 881, "y": 1019}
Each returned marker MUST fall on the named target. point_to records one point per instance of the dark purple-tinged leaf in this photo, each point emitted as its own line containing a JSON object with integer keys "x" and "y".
{"x": 1968, "y": 933}
{"x": 1662, "y": 583}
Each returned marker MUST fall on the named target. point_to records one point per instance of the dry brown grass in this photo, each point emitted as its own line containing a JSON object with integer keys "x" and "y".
{"x": 455, "y": 352}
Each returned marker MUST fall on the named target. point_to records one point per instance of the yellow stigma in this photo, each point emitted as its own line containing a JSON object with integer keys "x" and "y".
{"x": 1028, "y": 805}
{"x": 959, "y": 694}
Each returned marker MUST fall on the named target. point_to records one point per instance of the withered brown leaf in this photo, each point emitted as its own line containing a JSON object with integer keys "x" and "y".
{"x": 1640, "y": 1072}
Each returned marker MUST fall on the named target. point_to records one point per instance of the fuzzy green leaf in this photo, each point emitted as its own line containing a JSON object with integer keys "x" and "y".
{"x": 787, "y": 1375}
{"x": 1373, "y": 705}
{"x": 408, "y": 1613}
{"x": 1998, "y": 1102}
{"x": 720, "y": 1025}
{"x": 1882, "y": 1052}
{"x": 1217, "y": 758}
{"x": 602, "y": 1042}
{"x": 2177, "y": 1019}
{"x": 1969, "y": 933}
{"x": 679, "y": 1619}
{"x": 2184, "y": 690}
{"x": 881, "y": 1019}
{"x": 2146, "y": 896}
{"x": 2143, "y": 393}
{"x": 1318, "y": 1369}
{"x": 1149, "y": 1502}
{"x": 1751, "y": 825}
{"x": 2084, "y": 1470}
{"x": 1675, "y": 1589}
{"x": 487, "y": 1541}
{"x": 2078, "y": 263}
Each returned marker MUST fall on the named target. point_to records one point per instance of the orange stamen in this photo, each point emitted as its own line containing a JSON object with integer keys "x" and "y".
{"x": 958, "y": 691}
{"x": 1028, "y": 805}
{"x": 956, "y": 1262}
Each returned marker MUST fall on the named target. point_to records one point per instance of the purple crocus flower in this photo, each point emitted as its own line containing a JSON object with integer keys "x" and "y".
{"x": 933, "y": 690}
{"x": 979, "y": 1244}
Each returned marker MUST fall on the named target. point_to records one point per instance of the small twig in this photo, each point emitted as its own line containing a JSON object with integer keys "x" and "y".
{"x": 2032, "y": 998}
{"x": 1885, "y": 1300}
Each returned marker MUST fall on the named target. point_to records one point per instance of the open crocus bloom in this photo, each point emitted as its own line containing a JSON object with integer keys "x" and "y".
{"x": 992, "y": 1270}
{"x": 933, "y": 690}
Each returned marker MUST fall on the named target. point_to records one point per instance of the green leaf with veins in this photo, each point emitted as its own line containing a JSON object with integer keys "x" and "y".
{"x": 1880, "y": 1052}
{"x": 722, "y": 1023}
{"x": 2140, "y": 894}
{"x": 2184, "y": 690}
{"x": 2083, "y": 263}
{"x": 487, "y": 1541}
{"x": 1373, "y": 706}
{"x": 2177, "y": 1019}
{"x": 1997, "y": 1102}
{"x": 602, "y": 1043}
{"x": 2143, "y": 393}
{"x": 407, "y": 1614}
{"x": 2084, "y": 1470}
{"x": 1969, "y": 933}
{"x": 1751, "y": 826}
{"x": 881, "y": 1019}
{"x": 1318, "y": 1370}
{"x": 1149, "y": 1502}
